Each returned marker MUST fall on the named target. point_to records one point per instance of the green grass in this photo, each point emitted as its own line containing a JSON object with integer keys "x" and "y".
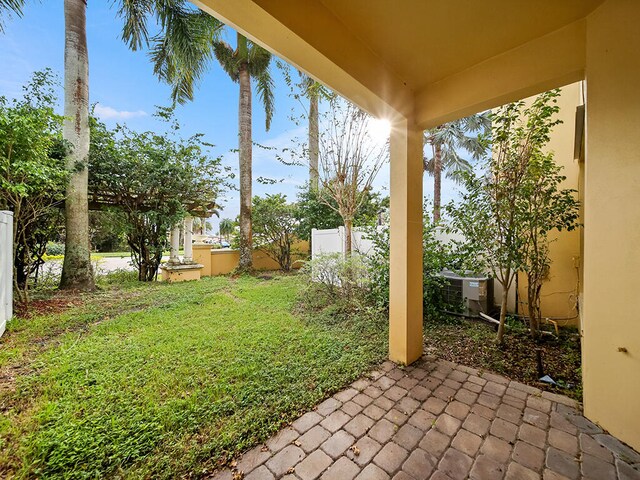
{"x": 166, "y": 381}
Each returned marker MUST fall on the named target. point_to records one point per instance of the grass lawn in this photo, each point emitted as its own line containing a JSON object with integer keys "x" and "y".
{"x": 165, "y": 381}
{"x": 472, "y": 343}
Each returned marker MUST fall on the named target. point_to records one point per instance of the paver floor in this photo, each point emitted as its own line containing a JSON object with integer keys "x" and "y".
{"x": 438, "y": 420}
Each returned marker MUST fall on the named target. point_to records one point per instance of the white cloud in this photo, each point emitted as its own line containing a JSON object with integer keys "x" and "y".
{"x": 109, "y": 113}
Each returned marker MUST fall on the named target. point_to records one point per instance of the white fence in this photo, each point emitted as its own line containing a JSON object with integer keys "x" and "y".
{"x": 333, "y": 240}
{"x": 6, "y": 268}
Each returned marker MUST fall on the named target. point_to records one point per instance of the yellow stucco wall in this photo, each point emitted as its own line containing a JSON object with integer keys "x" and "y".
{"x": 225, "y": 261}
{"x": 181, "y": 275}
{"x": 559, "y": 296}
{"x": 610, "y": 318}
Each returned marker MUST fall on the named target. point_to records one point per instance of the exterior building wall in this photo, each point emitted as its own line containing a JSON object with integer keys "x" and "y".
{"x": 610, "y": 323}
{"x": 560, "y": 292}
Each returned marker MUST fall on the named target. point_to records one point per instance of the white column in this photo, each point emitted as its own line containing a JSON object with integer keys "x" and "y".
{"x": 175, "y": 244}
{"x": 188, "y": 240}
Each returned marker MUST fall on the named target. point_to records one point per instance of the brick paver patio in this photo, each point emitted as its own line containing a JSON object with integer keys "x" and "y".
{"x": 438, "y": 420}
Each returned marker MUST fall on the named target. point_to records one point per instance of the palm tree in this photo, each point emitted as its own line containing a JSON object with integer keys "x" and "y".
{"x": 77, "y": 273}
{"x": 76, "y": 269}
{"x": 227, "y": 226}
{"x": 9, "y": 7}
{"x": 311, "y": 91}
{"x": 247, "y": 61}
{"x": 181, "y": 61}
{"x": 314, "y": 91}
{"x": 446, "y": 141}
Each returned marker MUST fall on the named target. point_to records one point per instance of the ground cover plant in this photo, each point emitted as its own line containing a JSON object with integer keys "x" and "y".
{"x": 163, "y": 381}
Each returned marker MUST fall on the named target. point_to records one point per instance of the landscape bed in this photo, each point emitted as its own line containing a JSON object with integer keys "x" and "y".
{"x": 472, "y": 343}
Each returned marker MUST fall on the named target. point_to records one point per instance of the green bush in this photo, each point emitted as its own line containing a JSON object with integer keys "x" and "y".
{"x": 336, "y": 281}
{"x": 54, "y": 249}
{"x": 435, "y": 256}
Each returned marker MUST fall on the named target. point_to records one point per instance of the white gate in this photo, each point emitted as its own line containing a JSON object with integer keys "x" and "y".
{"x": 6, "y": 268}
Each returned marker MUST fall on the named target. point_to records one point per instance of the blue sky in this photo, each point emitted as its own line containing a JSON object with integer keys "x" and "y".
{"x": 126, "y": 91}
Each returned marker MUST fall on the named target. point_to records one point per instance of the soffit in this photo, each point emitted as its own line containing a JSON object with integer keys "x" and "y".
{"x": 424, "y": 41}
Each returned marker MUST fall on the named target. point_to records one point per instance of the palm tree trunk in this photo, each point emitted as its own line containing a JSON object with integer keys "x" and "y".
{"x": 437, "y": 182}
{"x": 314, "y": 149}
{"x": 246, "y": 243}
{"x": 76, "y": 270}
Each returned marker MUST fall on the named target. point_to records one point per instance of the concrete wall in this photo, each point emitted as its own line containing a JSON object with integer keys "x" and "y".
{"x": 222, "y": 261}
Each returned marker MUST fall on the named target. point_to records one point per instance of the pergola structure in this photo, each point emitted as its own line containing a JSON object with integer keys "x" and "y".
{"x": 420, "y": 63}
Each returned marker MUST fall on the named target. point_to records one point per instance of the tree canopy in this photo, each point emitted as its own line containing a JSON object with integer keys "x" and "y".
{"x": 154, "y": 180}
{"x": 32, "y": 173}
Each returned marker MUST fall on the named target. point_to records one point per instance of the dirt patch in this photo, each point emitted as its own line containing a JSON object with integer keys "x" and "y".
{"x": 49, "y": 306}
{"x": 472, "y": 344}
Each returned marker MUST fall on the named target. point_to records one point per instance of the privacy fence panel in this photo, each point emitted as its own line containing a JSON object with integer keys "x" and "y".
{"x": 6, "y": 268}
{"x": 333, "y": 240}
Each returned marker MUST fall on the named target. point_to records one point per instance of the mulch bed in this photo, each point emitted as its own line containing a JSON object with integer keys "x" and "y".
{"x": 49, "y": 306}
{"x": 472, "y": 343}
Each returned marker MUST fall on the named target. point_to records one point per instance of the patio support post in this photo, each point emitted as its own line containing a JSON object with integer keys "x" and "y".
{"x": 188, "y": 239}
{"x": 405, "y": 289}
{"x": 175, "y": 244}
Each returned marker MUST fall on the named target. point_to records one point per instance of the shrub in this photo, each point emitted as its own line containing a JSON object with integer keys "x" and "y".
{"x": 332, "y": 279}
{"x": 274, "y": 226}
{"x": 55, "y": 249}
{"x": 435, "y": 255}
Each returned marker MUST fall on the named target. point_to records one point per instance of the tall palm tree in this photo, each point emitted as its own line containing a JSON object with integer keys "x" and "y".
{"x": 247, "y": 61}
{"x": 77, "y": 273}
{"x": 314, "y": 91}
{"x": 76, "y": 269}
{"x": 446, "y": 141}
{"x": 314, "y": 130}
{"x": 181, "y": 63}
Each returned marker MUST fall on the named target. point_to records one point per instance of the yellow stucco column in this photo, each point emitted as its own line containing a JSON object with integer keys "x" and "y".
{"x": 610, "y": 318}
{"x": 405, "y": 289}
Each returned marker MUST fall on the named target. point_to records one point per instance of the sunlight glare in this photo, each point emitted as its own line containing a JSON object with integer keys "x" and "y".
{"x": 379, "y": 129}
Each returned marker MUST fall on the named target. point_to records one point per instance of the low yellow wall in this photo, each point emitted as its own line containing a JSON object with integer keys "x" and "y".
{"x": 223, "y": 261}
{"x": 179, "y": 275}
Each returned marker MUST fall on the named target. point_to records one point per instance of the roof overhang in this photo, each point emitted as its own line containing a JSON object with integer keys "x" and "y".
{"x": 426, "y": 61}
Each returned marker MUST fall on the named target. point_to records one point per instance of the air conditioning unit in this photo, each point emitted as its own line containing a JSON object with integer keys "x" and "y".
{"x": 474, "y": 293}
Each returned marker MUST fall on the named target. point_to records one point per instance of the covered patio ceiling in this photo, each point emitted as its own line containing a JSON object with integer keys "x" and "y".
{"x": 417, "y": 58}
